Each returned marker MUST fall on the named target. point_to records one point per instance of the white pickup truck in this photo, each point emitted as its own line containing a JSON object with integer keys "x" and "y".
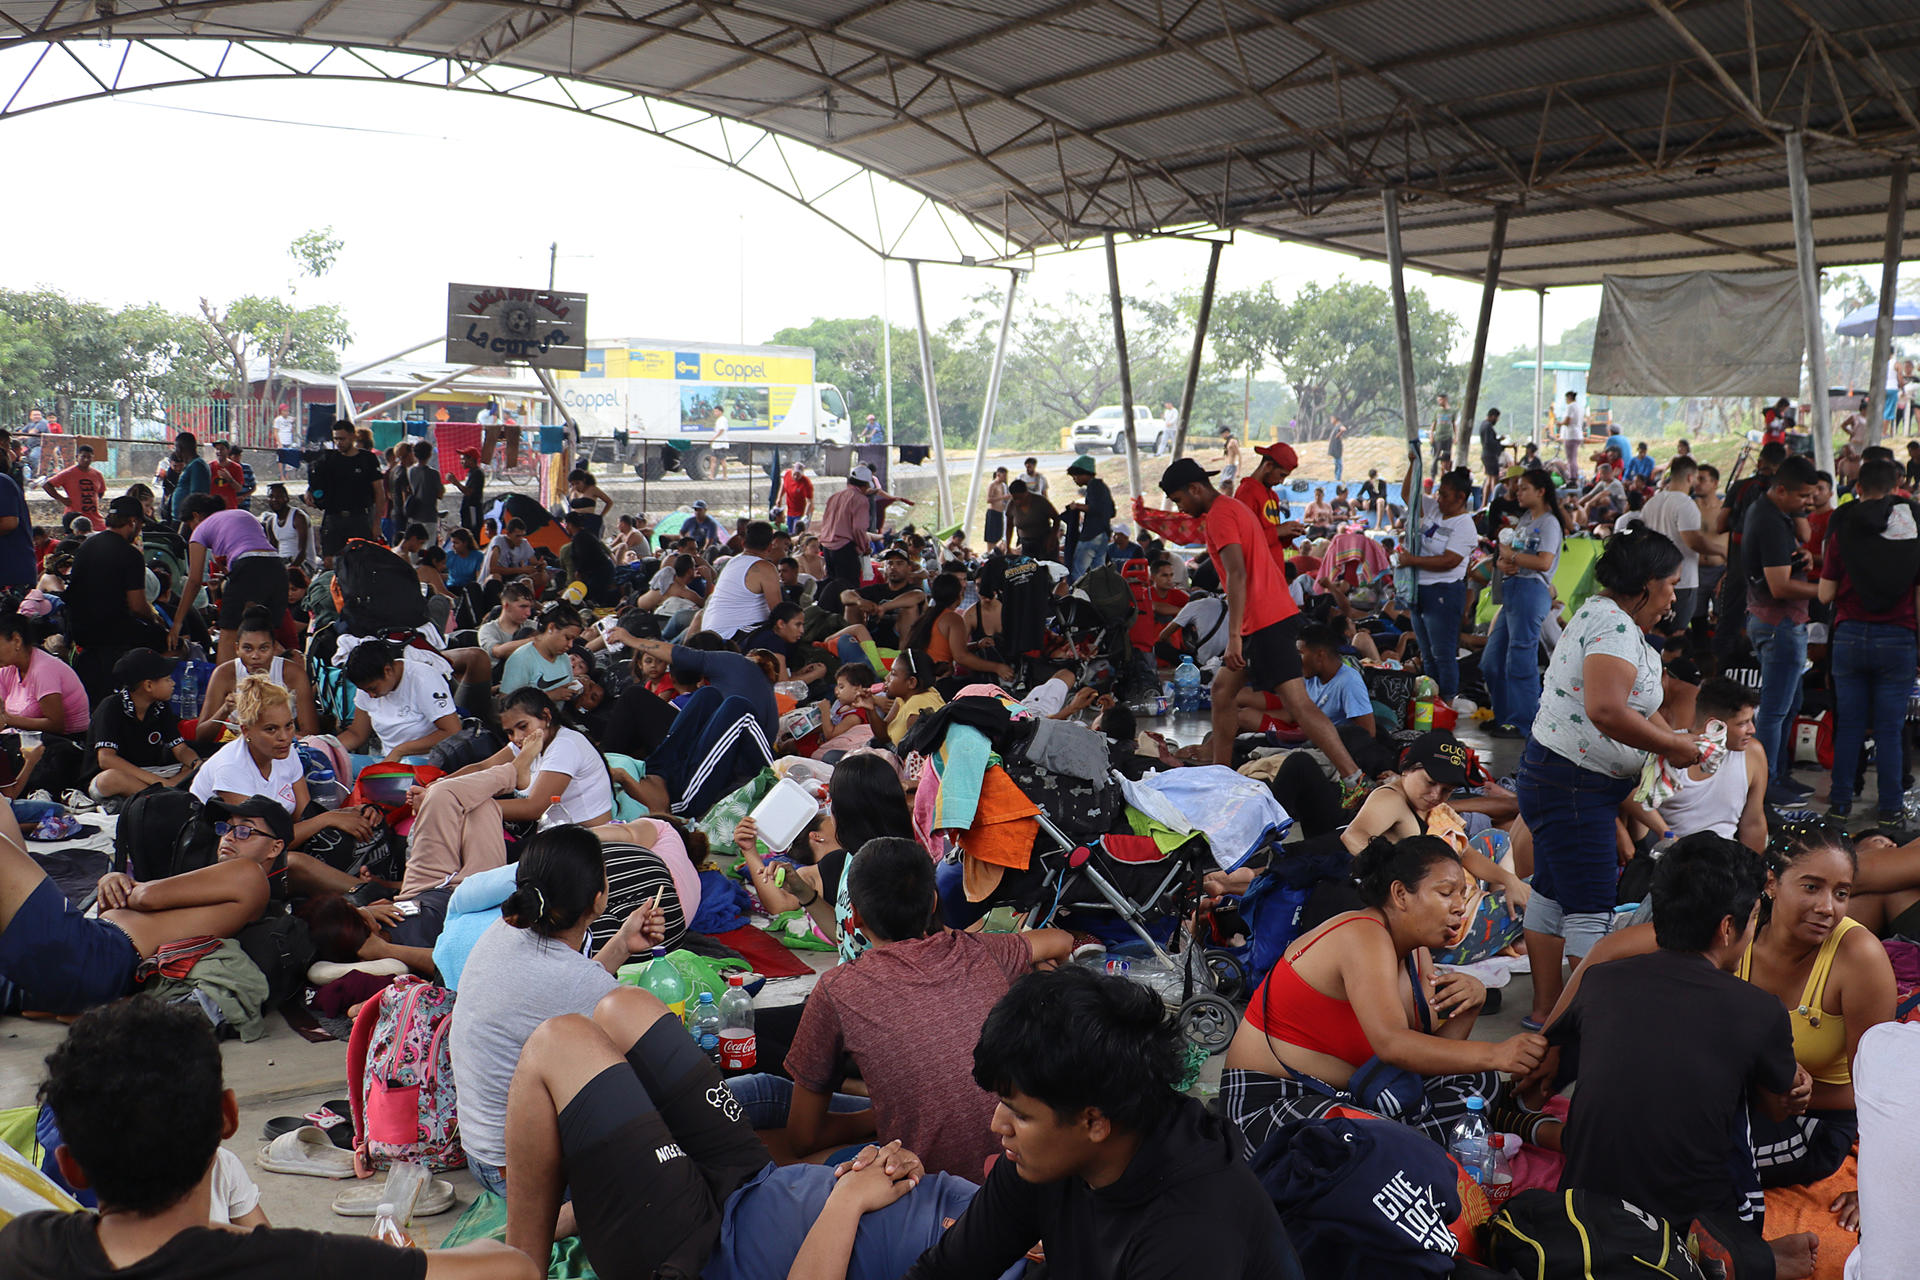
{"x": 1105, "y": 428}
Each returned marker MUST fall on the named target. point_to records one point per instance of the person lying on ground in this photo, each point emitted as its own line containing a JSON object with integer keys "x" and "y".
{"x": 780, "y": 635}
{"x": 1725, "y": 1047}
{"x": 903, "y": 1017}
{"x": 153, "y": 1167}
{"x": 262, "y": 763}
{"x": 529, "y": 966}
{"x": 404, "y": 704}
{"x": 1360, "y": 992}
{"x": 1886, "y": 892}
{"x": 724, "y": 732}
{"x": 55, "y": 959}
{"x": 796, "y": 878}
{"x": 135, "y": 740}
{"x": 1061, "y": 696}
{"x": 256, "y": 653}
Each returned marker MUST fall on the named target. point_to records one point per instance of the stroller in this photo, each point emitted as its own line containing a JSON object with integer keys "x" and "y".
{"x": 1085, "y": 631}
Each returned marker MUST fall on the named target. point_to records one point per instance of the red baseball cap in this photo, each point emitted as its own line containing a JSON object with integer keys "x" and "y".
{"x": 1280, "y": 452}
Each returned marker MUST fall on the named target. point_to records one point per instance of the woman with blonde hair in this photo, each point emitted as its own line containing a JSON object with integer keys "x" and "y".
{"x": 261, "y": 761}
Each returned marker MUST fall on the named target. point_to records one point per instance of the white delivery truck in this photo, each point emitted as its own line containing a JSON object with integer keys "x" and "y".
{"x": 673, "y": 402}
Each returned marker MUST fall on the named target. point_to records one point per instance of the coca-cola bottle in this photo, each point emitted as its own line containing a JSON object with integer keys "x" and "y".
{"x": 738, "y": 1048}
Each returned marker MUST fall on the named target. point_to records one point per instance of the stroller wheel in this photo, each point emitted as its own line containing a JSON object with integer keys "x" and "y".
{"x": 1209, "y": 1022}
{"x": 1229, "y": 975}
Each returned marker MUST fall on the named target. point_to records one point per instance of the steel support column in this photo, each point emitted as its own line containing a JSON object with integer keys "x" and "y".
{"x": 1192, "y": 384}
{"x": 1402, "y": 328}
{"x": 1809, "y": 268}
{"x": 1126, "y": 370}
{"x": 1889, "y": 284}
{"x": 1539, "y": 365}
{"x": 933, "y": 396}
{"x": 1470, "y": 407}
{"x": 886, "y": 349}
{"x": 988, "y": 409}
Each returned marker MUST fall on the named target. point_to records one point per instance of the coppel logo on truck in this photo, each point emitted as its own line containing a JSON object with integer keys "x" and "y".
{"x": 589, "y": 399}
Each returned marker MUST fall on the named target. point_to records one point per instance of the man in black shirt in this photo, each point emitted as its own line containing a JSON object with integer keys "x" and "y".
{"x": 151, "y": 1165}
{"x": 1095, "y": 506}
{"x": 107, "y": 607}
{"x": 347, "y": 485}
{"x": 1670, "y": 1048}
{"x": 1778, "y": 593}
{"x": 891, "y": 606}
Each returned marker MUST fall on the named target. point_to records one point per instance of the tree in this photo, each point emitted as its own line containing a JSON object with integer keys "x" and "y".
{"x": 279, "y": 330}
{"x": 63, "y": 349}
{"x": 849, "y": 354}
{"x": 1336, "y": 348}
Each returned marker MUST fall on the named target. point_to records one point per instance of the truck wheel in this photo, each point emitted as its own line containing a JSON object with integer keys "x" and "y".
{"x": 1119, "y": 445}
{"x": 698, "y": 462}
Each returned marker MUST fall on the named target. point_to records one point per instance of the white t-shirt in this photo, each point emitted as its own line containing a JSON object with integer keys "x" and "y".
{"x": 233, "y": 1193}
{"x": 416, "y": 703}
{"x": 1673, "y": 513}
{"x": 1036, "y": 483}
{"x": 1441, "y": 534}
{"x": 1561, "y": 725}
{"x": 232, "y": 769}
{"x": 283, "y": 433}
{"x": 1889, "y": 1112}
{"x": 1046, "y": 698}
{"x": 589, "y": 792}
{"x": 1204, "y": 612}
{"x": 1576, "y": 423}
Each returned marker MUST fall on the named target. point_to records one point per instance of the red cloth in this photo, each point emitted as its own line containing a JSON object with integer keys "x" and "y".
{"x": 1183, "y": 530}
{"x": 449, "y": 438}
{"x": 908, "y": 1014}
{"x": 1230, "y": 524}
{"x": 759, "y": 949}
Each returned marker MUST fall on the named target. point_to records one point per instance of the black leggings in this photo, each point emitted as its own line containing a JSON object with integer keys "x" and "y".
{"x": 1310, "y": 798}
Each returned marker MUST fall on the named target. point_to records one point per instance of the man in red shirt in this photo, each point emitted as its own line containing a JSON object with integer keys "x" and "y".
{"x": 796, "y": 486}
{"x": 1255, "y": 493}
{"x": 1262, "y": 619}
{"x": 227, "y": 477}
{"x": 79, "y": 488}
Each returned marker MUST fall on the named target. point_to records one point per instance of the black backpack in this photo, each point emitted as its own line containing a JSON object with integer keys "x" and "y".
{"x": 376, "y": 591}
{"x": 163, "y": 831}
{"x": 282, "y": 949}
{"x": 1580, "y": 1235}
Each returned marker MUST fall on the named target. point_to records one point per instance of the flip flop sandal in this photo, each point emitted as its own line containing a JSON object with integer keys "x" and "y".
{"x": 335, "y": 1117}
{"x": 362, "y": 1200}
{"x": 1530, "y": 1024}
{"x": 307, "y": 1151}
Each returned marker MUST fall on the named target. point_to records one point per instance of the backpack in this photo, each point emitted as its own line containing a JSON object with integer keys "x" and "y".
{"x": 376, "y": 591}
{"x": 282, "y": 949}
{"x": 1580, "y": 1235}
{"x": 1106, "y": 589}
{"x": 162, "y": 832}
{"x": 400, "y": 1079}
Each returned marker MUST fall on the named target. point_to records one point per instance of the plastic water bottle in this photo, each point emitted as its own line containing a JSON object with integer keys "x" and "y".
{"x": 1499, "y": 1179}
{"x": 739, "y": 1050}
{"x": 795, "y": 689}
{"x": 548, "y": 816}
{"x": 705, "y": 1026}
{"x": 1469, "y": 1142}
{"x": 1186, "y": 685}
{"x": 668, "y": 984}
{"x": 387, "y": 1228}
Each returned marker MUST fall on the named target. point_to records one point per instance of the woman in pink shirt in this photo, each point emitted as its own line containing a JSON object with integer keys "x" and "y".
{"x": 42, "y": 695}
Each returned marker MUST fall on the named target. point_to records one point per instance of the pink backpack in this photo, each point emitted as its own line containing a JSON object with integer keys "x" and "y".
{"x": 400, "y": 1079}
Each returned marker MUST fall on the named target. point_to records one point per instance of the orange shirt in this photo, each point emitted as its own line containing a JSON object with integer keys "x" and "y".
{"x": 1230, "y": 523}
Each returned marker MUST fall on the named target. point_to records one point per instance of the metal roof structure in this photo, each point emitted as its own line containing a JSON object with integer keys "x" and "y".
{"x": 1625, "y": 136}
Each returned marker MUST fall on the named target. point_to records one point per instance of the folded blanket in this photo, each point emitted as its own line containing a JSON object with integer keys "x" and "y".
{"x": 1792, "y": 1209}
{"x": 961, "y": 764}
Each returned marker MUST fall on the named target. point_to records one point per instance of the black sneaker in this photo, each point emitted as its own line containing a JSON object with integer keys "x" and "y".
{"x": 1841, "y": 812}
{"x": 1794, "y": 785}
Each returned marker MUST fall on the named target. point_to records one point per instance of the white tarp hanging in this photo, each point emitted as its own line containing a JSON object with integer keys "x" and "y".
{"x": 1705, "y": 333}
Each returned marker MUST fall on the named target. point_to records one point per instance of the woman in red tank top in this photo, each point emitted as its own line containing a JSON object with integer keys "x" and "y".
{"x": 1354, "y": 1005}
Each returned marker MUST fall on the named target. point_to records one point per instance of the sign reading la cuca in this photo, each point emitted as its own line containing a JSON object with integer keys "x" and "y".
{"x": 490, "y": 324}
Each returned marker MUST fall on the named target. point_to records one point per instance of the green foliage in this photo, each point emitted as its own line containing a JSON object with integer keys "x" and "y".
{"x": 315, "y": 251}
{"x": 56, "y": 347}
{"x": 313, "y": 336}
{"x": 850, "y": 355}
{"x": 1336, "y": 348}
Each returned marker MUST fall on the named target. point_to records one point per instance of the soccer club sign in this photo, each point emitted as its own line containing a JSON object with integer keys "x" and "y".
{"x": 491, "y": 325}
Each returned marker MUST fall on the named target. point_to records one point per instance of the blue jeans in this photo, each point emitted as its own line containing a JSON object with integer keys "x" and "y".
{"x": 1436, "y": 625}
{"x": 494, "y": 1179}
{"x": 1873, "y": 669}
{"x": 1571, "y": 811}
{"x": 1339, "y": 468}
{"x": 1091, "y": 550}
{"x": 1511, "y": 661}
{"x": 766, "y": 1097}
{"x": 1782, "y": 650}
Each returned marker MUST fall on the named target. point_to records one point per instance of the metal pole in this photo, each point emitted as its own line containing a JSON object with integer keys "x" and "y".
{"x": 886, "y": 347}
{"x": 1539, "y": 366}
{"x": 1126, "y": 370}
{"x": 992, "y": 404}
{"x": 1402, "y": 328}
{"x": 1199, "y": 342}
{"x": 412, "y": 392}
{"x": 1889, "y": 282}
{"x": 1470, "y": 407}
{"x": 933, "y": 396}
{"x": 1803, "y": 253}
{"x": 405, "y": 351}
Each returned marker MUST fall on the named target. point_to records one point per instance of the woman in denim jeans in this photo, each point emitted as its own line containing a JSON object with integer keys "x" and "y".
{"x": 1511, "y": 661}
{"x": 1446, "y": 540}
{"x": 1597, "y": 723}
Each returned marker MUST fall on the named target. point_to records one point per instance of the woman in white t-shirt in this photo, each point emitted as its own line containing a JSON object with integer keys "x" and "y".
{"x": 564, "y": 764}
{"x": 1529, "y": 553}
{"x": 262, "y": 762}
{"x": 1447, "y": 538}
{"x": 1597, "y": 724}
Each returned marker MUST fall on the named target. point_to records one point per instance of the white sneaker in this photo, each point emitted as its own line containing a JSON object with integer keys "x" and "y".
{"x": 79, "y": 801}
{"x": 41, "y": 796}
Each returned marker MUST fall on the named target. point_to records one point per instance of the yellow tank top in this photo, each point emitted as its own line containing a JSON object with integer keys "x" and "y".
{"x": 1819, "y": 1037}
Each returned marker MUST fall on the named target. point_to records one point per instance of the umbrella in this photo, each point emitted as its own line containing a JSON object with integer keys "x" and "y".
{"x": 1859, "y": 324}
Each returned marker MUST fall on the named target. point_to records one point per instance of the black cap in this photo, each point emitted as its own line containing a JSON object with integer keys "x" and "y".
{"x": 259, "y": 810}
{"x": 124, "y": 505}
{"x": 1181, "y": 473}
{"x": 139, "y": 665}
{"x": 1440, "y": 754}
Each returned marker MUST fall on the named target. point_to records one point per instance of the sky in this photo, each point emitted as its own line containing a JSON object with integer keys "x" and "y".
{"x": 177, "y": 194}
